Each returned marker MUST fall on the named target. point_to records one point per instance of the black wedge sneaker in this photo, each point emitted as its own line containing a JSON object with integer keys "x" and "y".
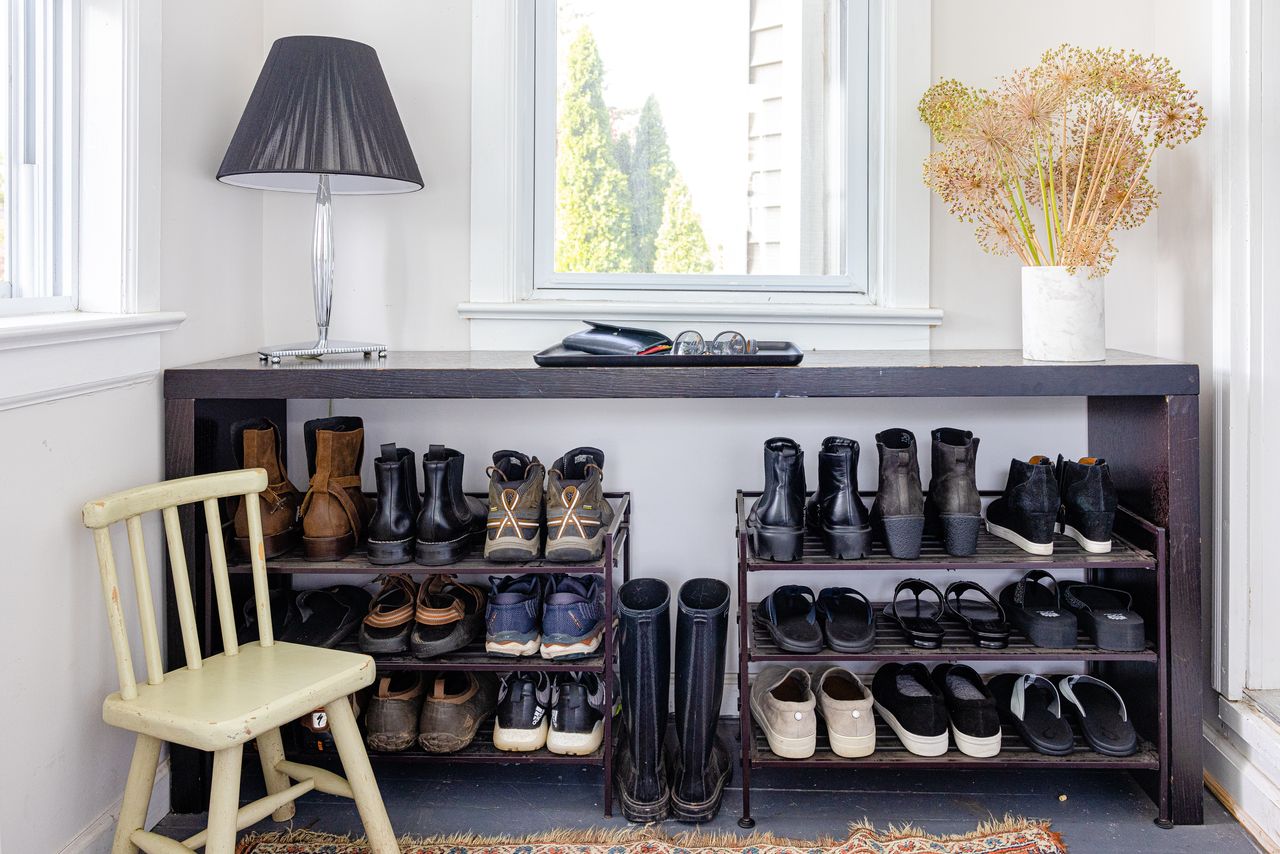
{"x": 953, "y": 509}
{"x": 775, "y": 524}
{"x": 1027, "y": 513}
{"x": 897, "y": 515}
{"x": 1088, "y": 503}
{"x": 836, "y": 512}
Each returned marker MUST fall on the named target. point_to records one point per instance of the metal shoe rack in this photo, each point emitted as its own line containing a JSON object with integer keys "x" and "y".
{"x": 615, "y": 554}
{"x": 1137, "y": 563}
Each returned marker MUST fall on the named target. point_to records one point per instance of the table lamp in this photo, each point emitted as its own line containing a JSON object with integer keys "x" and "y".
{"x": 321, "y": 120}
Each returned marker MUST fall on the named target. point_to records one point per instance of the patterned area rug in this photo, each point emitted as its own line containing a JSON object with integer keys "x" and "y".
{"x": 1010, "y": 836}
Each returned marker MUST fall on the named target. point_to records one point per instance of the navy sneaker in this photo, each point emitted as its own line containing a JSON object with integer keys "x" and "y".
{"x": 578, "y": 708}
{"x": 572, "y": 616}
{"x": 511, "y": 618}
{"x": 521, "y": 721}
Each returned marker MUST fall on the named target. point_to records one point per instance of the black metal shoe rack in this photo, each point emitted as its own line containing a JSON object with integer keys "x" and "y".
{"x": 616, "y": 554}
{"x": 1137, "y": 563}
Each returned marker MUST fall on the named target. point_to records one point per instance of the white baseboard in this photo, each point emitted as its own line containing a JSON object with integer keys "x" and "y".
{"x": 1241, "y": 784}
{"x": 96, "y": 838}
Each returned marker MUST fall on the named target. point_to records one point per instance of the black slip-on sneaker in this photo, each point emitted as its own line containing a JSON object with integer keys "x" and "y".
{"x": 578, "y": 707}
{"x": 975, "y": 720}
{"x": 913, "y": 707}
{"x": 521, "y": 722}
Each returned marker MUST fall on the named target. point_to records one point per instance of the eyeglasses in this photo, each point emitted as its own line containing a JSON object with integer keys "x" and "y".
{"x": 727, "y": 343}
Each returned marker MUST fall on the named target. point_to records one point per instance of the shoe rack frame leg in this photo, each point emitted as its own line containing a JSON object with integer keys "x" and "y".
{"x": 745, "y": 734}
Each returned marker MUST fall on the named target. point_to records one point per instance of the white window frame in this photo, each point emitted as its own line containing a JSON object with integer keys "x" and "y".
{"x": 503, "y": 134}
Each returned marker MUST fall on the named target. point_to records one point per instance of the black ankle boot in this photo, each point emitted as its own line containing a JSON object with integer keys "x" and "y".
{"x": 450, "y": 521}
{"x": 898, "y": 511}
{"x": 836, "y": 512}
{"x": 776, "y": 521}
{"x": 391, "y": 531}
{"x": 1088, "y": 503}
{"x": 1027, "y": 513}
{"x": 953, "y": 509}
{"x": 700, "y": 765}
{"x": 644, "y": 668}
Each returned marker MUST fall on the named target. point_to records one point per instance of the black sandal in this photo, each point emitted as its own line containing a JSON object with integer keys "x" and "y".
{"x": 984, "y": 619}
{"x": 1039, "y": 612}
{"x": 1106, "y": 615}
{"x": 919, "y": 620}
{"x": 847, "y": 618}
{"x": 1031, "y": 703}
{"x": 790, "y": 616}
{"x": 1104, "y": 720}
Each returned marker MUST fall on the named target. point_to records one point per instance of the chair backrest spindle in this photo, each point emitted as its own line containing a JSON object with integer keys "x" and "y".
{"x": 146, "y": 608}
{"x": 115, "y": 613}
{"x": 258, "y": 559}
{"x": 221, "y": 583}
{"x": 182, "y": 588}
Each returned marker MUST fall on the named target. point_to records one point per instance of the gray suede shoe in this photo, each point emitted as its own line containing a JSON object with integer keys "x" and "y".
{"x": 782, "y": 705}
{"x": 845, "y": 704}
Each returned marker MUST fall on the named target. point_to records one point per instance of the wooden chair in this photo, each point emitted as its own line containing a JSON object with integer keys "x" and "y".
{"x": 219, "y": 703}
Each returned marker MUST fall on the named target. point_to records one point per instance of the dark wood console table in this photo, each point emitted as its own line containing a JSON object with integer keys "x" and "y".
{"x": 1143, "y": 416}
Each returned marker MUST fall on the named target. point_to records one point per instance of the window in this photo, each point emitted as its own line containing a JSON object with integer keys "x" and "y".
{"x": 710, "y": 146}
{"x": 36, "y": 189}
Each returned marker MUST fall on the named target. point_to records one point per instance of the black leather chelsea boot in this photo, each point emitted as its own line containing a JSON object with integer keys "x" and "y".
{"x": 644, "y": 669}
{"x": 450, "y": 521}
{"x": 953, "y": 509}
{"x": 700, "y": 768}
{"x": 897, "y": 514}
{"x": 776, "y": 521}
{"x": 836, "y": 511}
{"x": 391, "y": 532}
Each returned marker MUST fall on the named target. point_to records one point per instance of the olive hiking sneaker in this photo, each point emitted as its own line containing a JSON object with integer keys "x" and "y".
{"x": 577, "y": 511}
{"x": 514, "y": 527}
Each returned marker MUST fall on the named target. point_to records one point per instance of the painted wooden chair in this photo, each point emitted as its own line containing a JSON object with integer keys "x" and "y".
{"x": 219, "y": 703}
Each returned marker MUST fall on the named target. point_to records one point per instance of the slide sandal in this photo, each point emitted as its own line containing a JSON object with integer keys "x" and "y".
{"x": 326, "y": 615}
{"x": 1031, "y": 703}
{"x": 1103, "y": 718}
{"x": 918, "y": 619}
{"x": 847, "y": 618}
{"x": 1106, "y": 615}
{"x": 1038, "y": 611}
{"x": 790, "y": 616}
{"x": 984, "y": 617}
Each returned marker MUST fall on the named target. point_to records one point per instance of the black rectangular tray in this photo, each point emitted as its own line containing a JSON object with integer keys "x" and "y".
{"x": 768, "y": 354}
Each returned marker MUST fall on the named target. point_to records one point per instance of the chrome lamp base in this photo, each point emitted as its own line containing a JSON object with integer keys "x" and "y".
{"x": 316, "y": 349}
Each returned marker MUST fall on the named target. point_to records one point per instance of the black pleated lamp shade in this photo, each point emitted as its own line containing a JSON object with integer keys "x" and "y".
{"x": 321, "y": 107}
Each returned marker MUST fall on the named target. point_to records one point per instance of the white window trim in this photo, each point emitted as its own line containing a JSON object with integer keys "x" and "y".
{"x": 502, "y": 178}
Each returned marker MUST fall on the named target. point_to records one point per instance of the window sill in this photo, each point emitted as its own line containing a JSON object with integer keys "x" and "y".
{"x": 788, "y": 313}
{"x": 37, "y": 330}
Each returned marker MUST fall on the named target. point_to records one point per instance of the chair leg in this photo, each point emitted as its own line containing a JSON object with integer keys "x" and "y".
{"x": 355, "y": 762}
{"x": 271, "y": 752}
{"x": 224, "y": 801}
{"x": 137, "y": 793}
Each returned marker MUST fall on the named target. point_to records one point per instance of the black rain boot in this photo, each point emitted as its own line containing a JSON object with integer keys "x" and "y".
{"x": 392, "y": 530}
{"x": 898, "y": 511}
{"x": 644, "y": 668}
{"x": 836, "y": 511}
{"x": 953, "y": 509}
{"x": 1088, "y": 503}
{"x": 776, "y": 521}
{"x": 450, "y": 521}
{"x": 700, "y": 766}
{"x": 1027, "y": 514}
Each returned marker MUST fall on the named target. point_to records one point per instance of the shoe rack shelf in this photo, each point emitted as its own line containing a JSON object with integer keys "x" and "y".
{"x": 1136, "y": 562}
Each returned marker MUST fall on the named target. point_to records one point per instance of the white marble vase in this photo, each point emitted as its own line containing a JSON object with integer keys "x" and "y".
{"x": 1062, "y": 315}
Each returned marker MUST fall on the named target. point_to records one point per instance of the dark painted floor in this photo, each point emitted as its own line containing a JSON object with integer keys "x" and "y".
{"x": 1097, "y": 812}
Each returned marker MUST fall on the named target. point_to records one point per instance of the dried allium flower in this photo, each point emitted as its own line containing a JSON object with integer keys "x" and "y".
{"x": 947, "y": 106}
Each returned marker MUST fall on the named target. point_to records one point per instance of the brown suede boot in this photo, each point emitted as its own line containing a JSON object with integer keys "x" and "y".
{"x": 334, "y": 511}
{"x": 257, "y": 444}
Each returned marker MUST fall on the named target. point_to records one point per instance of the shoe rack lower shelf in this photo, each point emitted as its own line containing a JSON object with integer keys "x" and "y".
{"x": 474, "y": 657}
{"x": 479, "y": 751}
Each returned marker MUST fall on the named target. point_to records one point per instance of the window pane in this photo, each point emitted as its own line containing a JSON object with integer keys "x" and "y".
{"x": 700, "y": 137}
{"x": 6, "y": 287}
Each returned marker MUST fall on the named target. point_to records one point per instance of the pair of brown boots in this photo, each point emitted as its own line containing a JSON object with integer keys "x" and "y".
{"x": 333, "y": 514}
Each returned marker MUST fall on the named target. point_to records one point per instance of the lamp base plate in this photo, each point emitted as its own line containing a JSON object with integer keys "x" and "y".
{"x": 315, "y": 349}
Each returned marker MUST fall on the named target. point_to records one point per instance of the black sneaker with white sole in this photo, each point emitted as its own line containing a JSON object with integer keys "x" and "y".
{"x": 578, "y": 707}
{"x": 1027, "y": 513}
{"x": 1088, "y": 502}
{"x": 907, "y": 699}
{"x": 521, "y": 722}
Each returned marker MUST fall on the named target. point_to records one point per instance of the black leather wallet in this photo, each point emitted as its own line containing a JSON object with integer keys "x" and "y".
{"x": 603, "y": 339}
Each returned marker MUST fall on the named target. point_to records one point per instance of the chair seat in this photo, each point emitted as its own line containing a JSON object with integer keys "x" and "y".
{"x": 234, "y": 699}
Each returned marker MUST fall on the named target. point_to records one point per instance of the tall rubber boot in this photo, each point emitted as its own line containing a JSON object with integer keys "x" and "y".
{"x": 701, "y": 762}
{"x": 644, "y": 667}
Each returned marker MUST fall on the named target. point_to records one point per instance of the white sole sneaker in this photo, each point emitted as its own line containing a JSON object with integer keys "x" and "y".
{"x": 1019, "y": 540}
{"x": 851, "y": 746}
{"x": 513, "y": 648}
{"x": 1098, "y": 547}
{"x": 920, "y": 745}
{"x": 971, "y": 745}
{"x": 576, "y": 743}
{"x": 788, "y": 747}
{"x": 520, "y": 740}
{"x": 579, "y": 648}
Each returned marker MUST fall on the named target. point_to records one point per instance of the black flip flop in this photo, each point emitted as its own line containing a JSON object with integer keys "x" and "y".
{"x": 1107, "y": 616}
{"x": 984, "y": 618}
{"x": 1031, "y": 703}
{"x": 1039, "y": 612}
{"x": 848, "y": 620}
{"x": 918, "y": 619}
{"x": 790, "y": 617}
{"x": 325, "y": 616}
{"x": 1103, "y": 718}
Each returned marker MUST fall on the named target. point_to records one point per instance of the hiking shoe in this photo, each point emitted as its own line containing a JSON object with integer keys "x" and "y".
{"x": 577, "y": 511}
{"x": 456, "y": 703}
{"x": 391, "y": 724}
{"x": 521, "y": 722}
{"x": 572, "y": 616}
{"x": 511, "y": 617}
{"x": 514, "y": 527}
{"x": 578, "y": 707}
